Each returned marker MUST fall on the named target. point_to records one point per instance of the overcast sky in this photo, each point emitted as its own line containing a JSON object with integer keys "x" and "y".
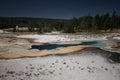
{"x": 56, "y": 8}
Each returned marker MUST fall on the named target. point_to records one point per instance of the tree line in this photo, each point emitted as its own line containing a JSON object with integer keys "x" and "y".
{"x": 104, "y": 22}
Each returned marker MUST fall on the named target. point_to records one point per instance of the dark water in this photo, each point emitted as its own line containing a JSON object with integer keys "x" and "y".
{"x": 113, "y": 56}
{"x": 54, "y": 46}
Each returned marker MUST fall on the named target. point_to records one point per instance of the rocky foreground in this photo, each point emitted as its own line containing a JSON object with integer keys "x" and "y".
{"x": 84, "y": 65}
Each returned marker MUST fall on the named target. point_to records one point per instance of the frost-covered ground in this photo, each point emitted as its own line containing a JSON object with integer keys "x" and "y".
{"x": 79, "y": 66}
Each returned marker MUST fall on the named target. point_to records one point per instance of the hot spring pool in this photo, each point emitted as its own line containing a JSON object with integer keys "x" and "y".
{"x": 54, "y": 46}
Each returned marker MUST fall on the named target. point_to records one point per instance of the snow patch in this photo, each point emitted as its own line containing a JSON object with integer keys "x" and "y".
{"x": 116, "y": 38}
{"x": 62, "y": 38}
{"x": 1, "y": 31}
